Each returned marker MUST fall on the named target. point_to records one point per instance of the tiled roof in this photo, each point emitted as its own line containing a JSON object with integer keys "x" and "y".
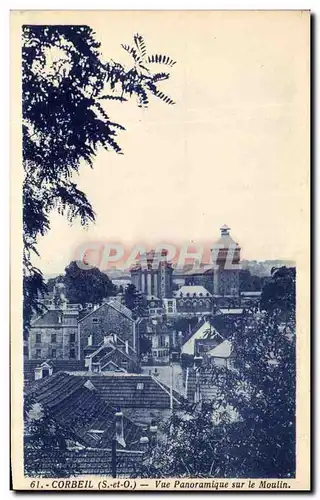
{"x": 77, "y": 406}
{"x": 130, "y": 390}
{"x": 93, "y": 462}
{"x": 115, "y": 304}
{"x": 50, "y": 317}
{"x": 191, "y": 291}
{"x": 29, "y": 366}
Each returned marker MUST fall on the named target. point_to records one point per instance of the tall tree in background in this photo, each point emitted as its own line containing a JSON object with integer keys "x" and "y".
{"x": 134, "y": 300}
{"x": 279, "y": 293}
{"x": 86, "y": 285}
{"x": 65, "y": 87}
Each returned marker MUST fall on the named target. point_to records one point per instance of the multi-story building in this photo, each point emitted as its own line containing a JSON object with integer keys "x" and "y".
{"x": 226, "y": 257}
{"x": 193, "y": 300}
{"x": 111, "y": 319}
{"x": 54, "y": 335}
{"x": 153, "y": 275}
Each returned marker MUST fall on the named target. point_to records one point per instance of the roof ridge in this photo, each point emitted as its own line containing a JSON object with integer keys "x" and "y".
{"x": 165, "y": 388}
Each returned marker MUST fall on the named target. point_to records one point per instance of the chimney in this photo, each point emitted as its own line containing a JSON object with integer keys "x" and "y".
{"x": 153, "y": 433}
{"x": 115, "y": 338}
{"x": 144, "y": 441}
{"x": 119, "y": 427}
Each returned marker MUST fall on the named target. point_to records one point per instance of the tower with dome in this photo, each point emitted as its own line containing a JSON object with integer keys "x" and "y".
{"x": 226, "y": 257}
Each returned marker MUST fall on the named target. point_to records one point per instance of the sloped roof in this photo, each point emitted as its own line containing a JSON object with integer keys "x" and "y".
{"x": 115, "y": 304}
{"x": 29, "y": 366}
{"x": 204, "y": 331}
{"x": 121, "y": 389}
{"x": 50, "y": 317}
{"x": 80, "y": 409}
{"x": 191, "y": 291}
{"x": 222, "y": 350}
{"x": 92, "y": 461}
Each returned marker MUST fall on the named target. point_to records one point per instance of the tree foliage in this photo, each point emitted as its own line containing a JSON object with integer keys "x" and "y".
{"x": 279, "y": 293}
{"x": 84, "y": 286}
{"x": 248, "y": 430}
{"x": 66, "y": 85}
{"x": 135, "y": 301}
{"x": 45, "y": 443}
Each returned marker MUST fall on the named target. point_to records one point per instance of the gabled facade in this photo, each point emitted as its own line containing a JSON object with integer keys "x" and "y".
{"x": 111, "y": 319}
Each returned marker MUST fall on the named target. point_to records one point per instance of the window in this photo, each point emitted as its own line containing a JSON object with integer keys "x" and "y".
{"x": 38, "y": 338}
{"x": 124, "y": 363}
{"x": 54, "y": 353}
{"x": 53, "y": 338}
{"x": 161, "y": 340}
{"x": 170, "y": 309}
{"x": 90, "y": 340}
{"x": 38, "y": 353}
{"x": 169, "y": 302}
{"x": 72, "y": 353}
{"x": 72, "y": 338}
{"x": 95, "y": 321}
{"x": 25, "y": 350}
{"x": 140, "y": 386}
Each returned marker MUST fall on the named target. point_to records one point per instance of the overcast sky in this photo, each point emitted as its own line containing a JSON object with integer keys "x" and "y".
{"x": 234, "y": 148}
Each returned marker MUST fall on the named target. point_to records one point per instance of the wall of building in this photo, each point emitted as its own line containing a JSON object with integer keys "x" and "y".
{"x": 106, "y": 321}
{"x": 226, "y": 282}
{"x": 194, "y": 304}
{"x": 65, "y": 335}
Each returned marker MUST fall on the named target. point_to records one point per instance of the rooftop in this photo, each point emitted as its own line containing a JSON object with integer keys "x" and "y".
{"x": 205, "y": 331}
{"x": 192, "y": 291}
{"x": 222, "y": 350}
{"x": 77, "y": 406}
{"x": 127, "y": 390}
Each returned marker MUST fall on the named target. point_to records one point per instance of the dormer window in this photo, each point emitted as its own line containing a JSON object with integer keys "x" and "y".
{"x": 140, "y": 386}
{"x": 95, "y": 321}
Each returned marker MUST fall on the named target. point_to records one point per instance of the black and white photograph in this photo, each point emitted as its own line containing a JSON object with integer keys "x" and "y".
{"x": 160, "y": 301}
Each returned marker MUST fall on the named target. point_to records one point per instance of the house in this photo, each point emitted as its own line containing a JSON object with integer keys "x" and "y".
{"x": 54, "y": 334}
{"x": 169, "y": 307}
{"x": 154, "y": 305}
{"x": 113, "y": 355}
{"x": 162, "y": 337}
{"x": 221, "y": 355}
{"x": 109, "y": 319}
{"x": 75, "y": 406}
{"x": 202, "y": 331}
{"x": 193, "y": 299}
{"x": 141, "y": 397}
{"x": 37, "y": 369}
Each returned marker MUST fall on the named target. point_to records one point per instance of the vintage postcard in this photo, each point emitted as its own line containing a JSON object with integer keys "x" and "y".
{"x": 160, "y": 207}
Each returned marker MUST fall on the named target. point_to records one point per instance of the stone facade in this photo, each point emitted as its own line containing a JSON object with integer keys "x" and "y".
{"x": 54, "y": 335}
{"x": 226, "y": 256}
{"x": 153, "y": 276}
{"x": 193, "y": 300}
{"x": 109, "y": 319}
